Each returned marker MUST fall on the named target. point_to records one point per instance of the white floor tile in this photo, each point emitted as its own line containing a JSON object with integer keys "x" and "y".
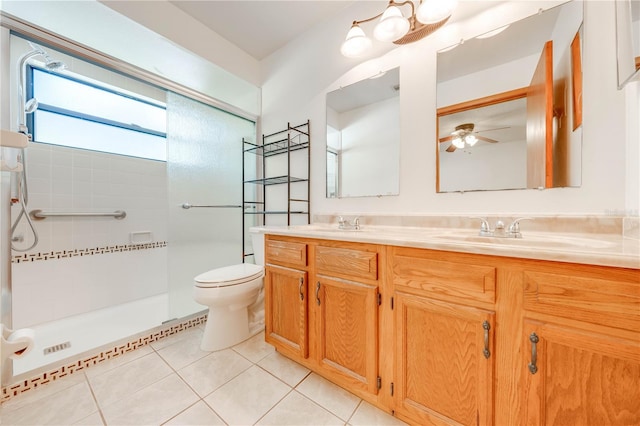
{"x": 117, "y": 361}
{"x": 154, "y": 404}
{"x": 141, "y": 388}
{"x": 183, "y": 352}
{"x": 177, "y": 337}
{"x": 332, "y": 397}
{"x": 296, "y": 410}
{"x": 44, "y": 391}
{"x": 94, "y": 419}
{"x": 209, "y": 373}
{"x": 247, "y": 397}
{"x": 283, "y": 368}
{"x": 255, "y": 348}
{"x": 129, "y": 378}
{"x": 198, "y": 414}
{"x": 366, "y": 415}
{"x": 64, "y": 407}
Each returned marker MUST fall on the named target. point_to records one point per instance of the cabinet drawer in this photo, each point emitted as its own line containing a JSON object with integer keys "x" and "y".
{"x": 286, "y": 252}
{"x": 435, "y": 277}
{"x": 596, "y": 300}
{"x": 350, "y": 262}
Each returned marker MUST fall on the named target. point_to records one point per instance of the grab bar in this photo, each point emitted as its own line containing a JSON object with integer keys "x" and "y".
{"x": 228, "y": 206}
{"x": 40, "y": 215}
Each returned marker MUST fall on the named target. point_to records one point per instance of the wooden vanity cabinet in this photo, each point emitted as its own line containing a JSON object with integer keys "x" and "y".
{"x": 286, "y": 297}
{"x": 346, "y": 313}
{"x": 460, "y": 339}
{"x": 581, "y": 341}
{"x": 321, "y": 308}
{"x": 444, "y": 337}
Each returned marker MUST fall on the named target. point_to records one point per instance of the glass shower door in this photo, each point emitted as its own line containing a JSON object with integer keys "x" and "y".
{"x": 204, "y": 168}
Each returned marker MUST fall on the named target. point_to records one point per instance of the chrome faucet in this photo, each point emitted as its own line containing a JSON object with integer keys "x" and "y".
{"x": 345, "y": 224}
{"x": 512, "y": 231}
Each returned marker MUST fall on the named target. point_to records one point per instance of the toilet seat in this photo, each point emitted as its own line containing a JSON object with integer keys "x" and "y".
{"x": 229, "y": 275}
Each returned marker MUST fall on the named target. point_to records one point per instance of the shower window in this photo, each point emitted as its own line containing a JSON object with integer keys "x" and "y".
{"x": 89, "y": 115}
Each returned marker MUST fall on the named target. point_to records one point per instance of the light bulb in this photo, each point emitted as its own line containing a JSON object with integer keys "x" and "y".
{"x": 392, "y": 25}
{"x": 434, "y": 11}
{"x": 356, "y": 44}
{"x": 458, "y": 142}
{"x": 470, "y": 140}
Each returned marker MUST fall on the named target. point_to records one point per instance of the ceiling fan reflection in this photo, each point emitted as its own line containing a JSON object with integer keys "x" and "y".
{"x": 463, "y": 135}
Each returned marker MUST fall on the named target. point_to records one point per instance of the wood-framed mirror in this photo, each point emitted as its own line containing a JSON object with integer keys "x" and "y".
{"x": 517, "y": 97}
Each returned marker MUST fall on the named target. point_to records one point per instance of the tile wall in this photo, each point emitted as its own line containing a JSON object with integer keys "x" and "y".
{"x": 81, "y": 264}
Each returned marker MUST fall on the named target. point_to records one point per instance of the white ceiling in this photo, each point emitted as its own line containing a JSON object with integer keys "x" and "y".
{"x": 261, "y": 27}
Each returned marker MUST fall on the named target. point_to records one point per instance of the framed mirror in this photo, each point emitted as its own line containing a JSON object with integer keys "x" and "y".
{"x": 510, "y": 106}
{"x": 627, "y": 41}
{"x": 363, "y": 137}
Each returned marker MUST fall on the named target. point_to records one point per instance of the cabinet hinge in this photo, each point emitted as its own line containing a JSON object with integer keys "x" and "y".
{"x": 391, "y": 388}
{"x": 379, "y": 383}
{"x": 392, "y": 303}
{"x": 379, "y": 299}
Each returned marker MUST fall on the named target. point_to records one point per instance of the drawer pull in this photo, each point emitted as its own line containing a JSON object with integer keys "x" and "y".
{"x": 318, "y": 293}
{"x": 300, "y": 288}
{"x": 534, "y": 353}
{"x": 486, "y": 326}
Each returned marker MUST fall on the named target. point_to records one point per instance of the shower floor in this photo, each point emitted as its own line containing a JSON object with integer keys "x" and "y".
{"x": 91, "y": 330}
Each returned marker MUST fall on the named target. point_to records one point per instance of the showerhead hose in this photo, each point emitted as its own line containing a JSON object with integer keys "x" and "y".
{"x": 24, "y": 108}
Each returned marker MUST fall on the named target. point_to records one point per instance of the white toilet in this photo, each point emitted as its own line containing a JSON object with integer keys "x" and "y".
{"x": 234, "y": 296}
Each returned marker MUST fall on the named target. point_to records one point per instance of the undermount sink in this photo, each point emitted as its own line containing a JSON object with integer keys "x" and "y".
{"x": 531, "y": 240}
{"x": 324, "y": 228}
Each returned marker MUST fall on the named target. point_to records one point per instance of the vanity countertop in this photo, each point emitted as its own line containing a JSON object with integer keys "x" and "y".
{"x": 592, "y": 249}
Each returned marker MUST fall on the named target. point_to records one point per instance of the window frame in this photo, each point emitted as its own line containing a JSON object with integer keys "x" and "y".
{"x": 30, "y": 92}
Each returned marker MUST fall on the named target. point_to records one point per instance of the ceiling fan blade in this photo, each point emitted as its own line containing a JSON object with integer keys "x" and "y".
{"x": 451, "y": 148}
{"x": 491, "y": 130}
{"x": 482, "y": 138}
{"x": 446, "y": 138}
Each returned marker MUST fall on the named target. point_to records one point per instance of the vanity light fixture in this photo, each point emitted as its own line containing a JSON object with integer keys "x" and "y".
{"x": 394, "y": 27}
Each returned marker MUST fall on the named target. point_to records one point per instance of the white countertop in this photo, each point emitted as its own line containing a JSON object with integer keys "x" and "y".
{"x": 592, "y": 249}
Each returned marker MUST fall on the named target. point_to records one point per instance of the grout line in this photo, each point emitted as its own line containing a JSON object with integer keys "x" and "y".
{"x": 214, "y": 411}
{"x": 355, "y": 410}
{"x": 275, "y": 405}
{"x": 95, "y": 399}
{"x": 180, "y": 412}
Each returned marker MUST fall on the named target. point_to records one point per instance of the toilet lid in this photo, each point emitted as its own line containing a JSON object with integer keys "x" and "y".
{"x": 229, "y": 275}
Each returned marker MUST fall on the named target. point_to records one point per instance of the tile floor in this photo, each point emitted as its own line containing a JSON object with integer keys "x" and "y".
{"x": 173, "y": 382}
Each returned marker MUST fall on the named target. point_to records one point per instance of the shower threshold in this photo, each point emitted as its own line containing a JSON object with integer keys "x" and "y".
{"x": 81, "y": 333}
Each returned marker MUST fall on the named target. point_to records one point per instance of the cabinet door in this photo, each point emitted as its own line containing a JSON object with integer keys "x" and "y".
{"x": 579, "y": 378}
{"x": 444, "y": 361}
{"x": 286, "y": 310}
{"x": 347, "y": 314}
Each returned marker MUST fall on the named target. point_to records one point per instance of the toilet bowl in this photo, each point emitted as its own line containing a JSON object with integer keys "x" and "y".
{"x": 234, "y": 297}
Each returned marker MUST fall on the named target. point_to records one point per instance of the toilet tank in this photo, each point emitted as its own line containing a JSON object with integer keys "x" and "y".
{"x": 257, "y": 240}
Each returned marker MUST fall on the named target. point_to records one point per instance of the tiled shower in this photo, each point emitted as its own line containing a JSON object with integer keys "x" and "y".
{"x": 81, "y": 265}
{"x": 94, "y": 280}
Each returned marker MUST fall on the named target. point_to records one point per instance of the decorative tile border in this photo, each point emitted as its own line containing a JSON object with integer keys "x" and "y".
{"x": 25, "y": 385}
{"x": 21, "y": 258}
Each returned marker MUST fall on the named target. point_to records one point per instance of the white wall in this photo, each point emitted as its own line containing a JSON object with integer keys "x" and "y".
{"x": 489, "y": 166}
{"x": 370, "y": 157}
{"x": 312, "y": 65}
